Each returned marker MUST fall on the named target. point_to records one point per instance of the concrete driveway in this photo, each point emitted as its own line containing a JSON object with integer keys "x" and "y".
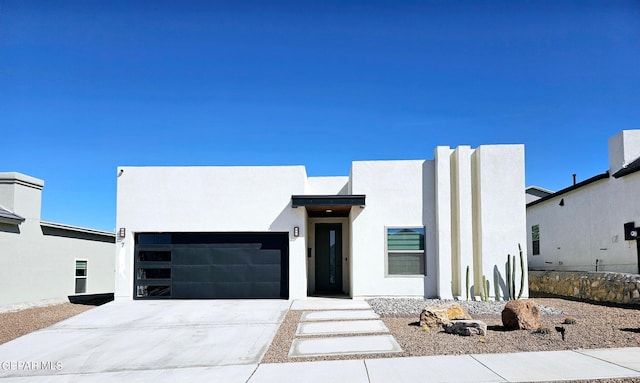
{"x": 165, "y": 340}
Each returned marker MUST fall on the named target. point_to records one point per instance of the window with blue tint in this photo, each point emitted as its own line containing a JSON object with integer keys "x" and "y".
{"x": 405, "y": 251}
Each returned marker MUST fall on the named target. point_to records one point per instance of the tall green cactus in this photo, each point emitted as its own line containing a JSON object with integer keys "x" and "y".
{"x": 485, "y": 289}
{"x": 511, "y": 275}
{"x": 522, "y": 271}
{"x": 467, "y": 289}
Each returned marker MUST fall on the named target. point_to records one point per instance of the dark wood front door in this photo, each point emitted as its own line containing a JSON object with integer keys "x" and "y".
{"x": 328, "y": 258}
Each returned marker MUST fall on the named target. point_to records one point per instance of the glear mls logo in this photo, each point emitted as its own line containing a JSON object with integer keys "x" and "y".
{"x": 30, "y": 365}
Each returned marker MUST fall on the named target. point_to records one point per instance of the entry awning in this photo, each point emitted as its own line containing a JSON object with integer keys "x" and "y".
{"x": 328, "y": 205}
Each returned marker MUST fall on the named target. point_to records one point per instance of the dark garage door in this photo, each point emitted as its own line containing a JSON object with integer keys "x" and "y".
{"x": 211, "y": 265}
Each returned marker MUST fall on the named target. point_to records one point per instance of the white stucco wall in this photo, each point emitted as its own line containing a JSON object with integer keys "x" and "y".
{"x": 38, "y": 262}
{"x": 210, "y": 199}
{"x": 624, "y": 148}
{"x": 399, "y": 193}
{"x": 480, "y": 215}
{"x": 499, "y": 212}
{"x": 589, "y": 227}
{"x": 327, "y": 185}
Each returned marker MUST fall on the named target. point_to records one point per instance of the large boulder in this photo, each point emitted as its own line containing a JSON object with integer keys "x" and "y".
{"x": 466, "y": 327}
{"x": 436, "y": 316}
{"x": 521, "y": 314}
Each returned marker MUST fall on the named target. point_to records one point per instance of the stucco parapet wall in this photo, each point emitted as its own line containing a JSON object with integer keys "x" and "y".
{"x": 594, "y": 286}
{"x": 21, "y": 179}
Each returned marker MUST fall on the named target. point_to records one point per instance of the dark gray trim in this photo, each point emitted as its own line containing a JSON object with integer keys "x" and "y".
{"x": 57, "y": 230}
{"x": 631, "y": 168}
{"x": 10, "y": 218}
{"x": 537, "y": 192}
{"x": 586, "y": 182}
{"x": 327, "y": 200}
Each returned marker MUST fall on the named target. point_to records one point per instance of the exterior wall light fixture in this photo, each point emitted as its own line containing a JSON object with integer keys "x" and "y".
{"x": 296, "y": 231}
{"x": 122, "y": 232}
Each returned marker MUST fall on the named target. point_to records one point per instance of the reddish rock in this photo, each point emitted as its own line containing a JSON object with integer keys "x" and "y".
{"x": 521, "y": 314}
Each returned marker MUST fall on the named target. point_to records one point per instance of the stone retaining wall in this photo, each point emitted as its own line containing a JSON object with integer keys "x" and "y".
{"x": 587, "y": 285}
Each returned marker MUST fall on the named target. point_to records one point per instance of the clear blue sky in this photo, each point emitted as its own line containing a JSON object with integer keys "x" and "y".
{"x": 87, "y": 85}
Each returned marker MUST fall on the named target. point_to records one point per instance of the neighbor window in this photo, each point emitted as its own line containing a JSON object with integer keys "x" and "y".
{"x": 535, "y": 239}
{"x": 405, "y": 251}
{"x": 81, "y": 277}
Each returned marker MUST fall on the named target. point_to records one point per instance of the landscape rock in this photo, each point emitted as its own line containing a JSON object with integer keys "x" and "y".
{"x": 466, "y": 327}
{"x": 521, "y": 314}
{"x": 435, "y": 316}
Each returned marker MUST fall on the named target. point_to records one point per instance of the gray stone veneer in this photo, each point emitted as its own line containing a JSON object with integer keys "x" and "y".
{"x": 588, "y": 285}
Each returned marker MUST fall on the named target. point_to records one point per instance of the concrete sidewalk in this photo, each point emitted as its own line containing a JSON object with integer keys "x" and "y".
{"x": 224, "y": 341}
{"x": 514, "y": 367}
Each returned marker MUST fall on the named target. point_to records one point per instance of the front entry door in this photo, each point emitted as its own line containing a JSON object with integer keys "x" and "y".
{"x": 328, "y": 258}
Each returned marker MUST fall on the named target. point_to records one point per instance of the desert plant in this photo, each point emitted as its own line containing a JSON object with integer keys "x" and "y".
{"x": 485, "y": 288}
{"x": 467, "y": 289}
{"x": 542, "y": 330}
{"x": 570, "y": 320}
{"x": 511, "y": 275}
{"x": 522, "y": 270}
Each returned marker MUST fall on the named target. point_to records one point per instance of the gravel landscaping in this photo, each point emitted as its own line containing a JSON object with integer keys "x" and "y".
{"x": 18, "y": 323}
{"x": 597, "y": 327}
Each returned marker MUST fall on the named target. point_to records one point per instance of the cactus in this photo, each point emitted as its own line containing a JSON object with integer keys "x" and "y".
{"x": 485, "y": 289}
{"x": 513, "y": 277}
{"x": 467, "y": 289}
{"x": 522, "y": 271}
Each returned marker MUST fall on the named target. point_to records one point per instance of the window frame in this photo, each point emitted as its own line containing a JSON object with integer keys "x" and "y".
{"x": 76, "y": 277}
{"x": 423, "y": 252}
{"x": 533, "y": 240}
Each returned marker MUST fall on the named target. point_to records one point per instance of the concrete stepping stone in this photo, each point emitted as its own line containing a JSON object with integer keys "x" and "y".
{"x": 367, "y": 344}
{"x": 308, "y": 316}
{"x": 341, "y": 327}
{"x": 329, "y": 304}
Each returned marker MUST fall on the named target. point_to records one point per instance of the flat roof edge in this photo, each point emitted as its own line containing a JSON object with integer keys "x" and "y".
{"x": 586, "y": 182}
{"x": 60, "y": 226}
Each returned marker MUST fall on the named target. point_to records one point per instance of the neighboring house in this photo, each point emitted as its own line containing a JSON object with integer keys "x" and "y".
{"x": 44, "y": 260}
{"x": 588, "y": 226}
{"x": 390, "y": 228}
{"x": 534, "y": 193}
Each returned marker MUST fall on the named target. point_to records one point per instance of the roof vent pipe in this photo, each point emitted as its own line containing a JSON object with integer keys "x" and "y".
{"x": 574, "y": 178}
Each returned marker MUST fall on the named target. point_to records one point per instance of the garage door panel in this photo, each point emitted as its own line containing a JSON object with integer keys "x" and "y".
{"x": 225, "y": 290}
{"x": 224, "y": 256}
{"x": 214, "y": 267}
{"x": 226, "y": 273}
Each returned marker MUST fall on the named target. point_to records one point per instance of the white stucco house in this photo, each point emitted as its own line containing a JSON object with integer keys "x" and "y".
{"x": 47, "y": 261}
{"x": 389, "y": 228}
{"x": 590, "y": 225}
